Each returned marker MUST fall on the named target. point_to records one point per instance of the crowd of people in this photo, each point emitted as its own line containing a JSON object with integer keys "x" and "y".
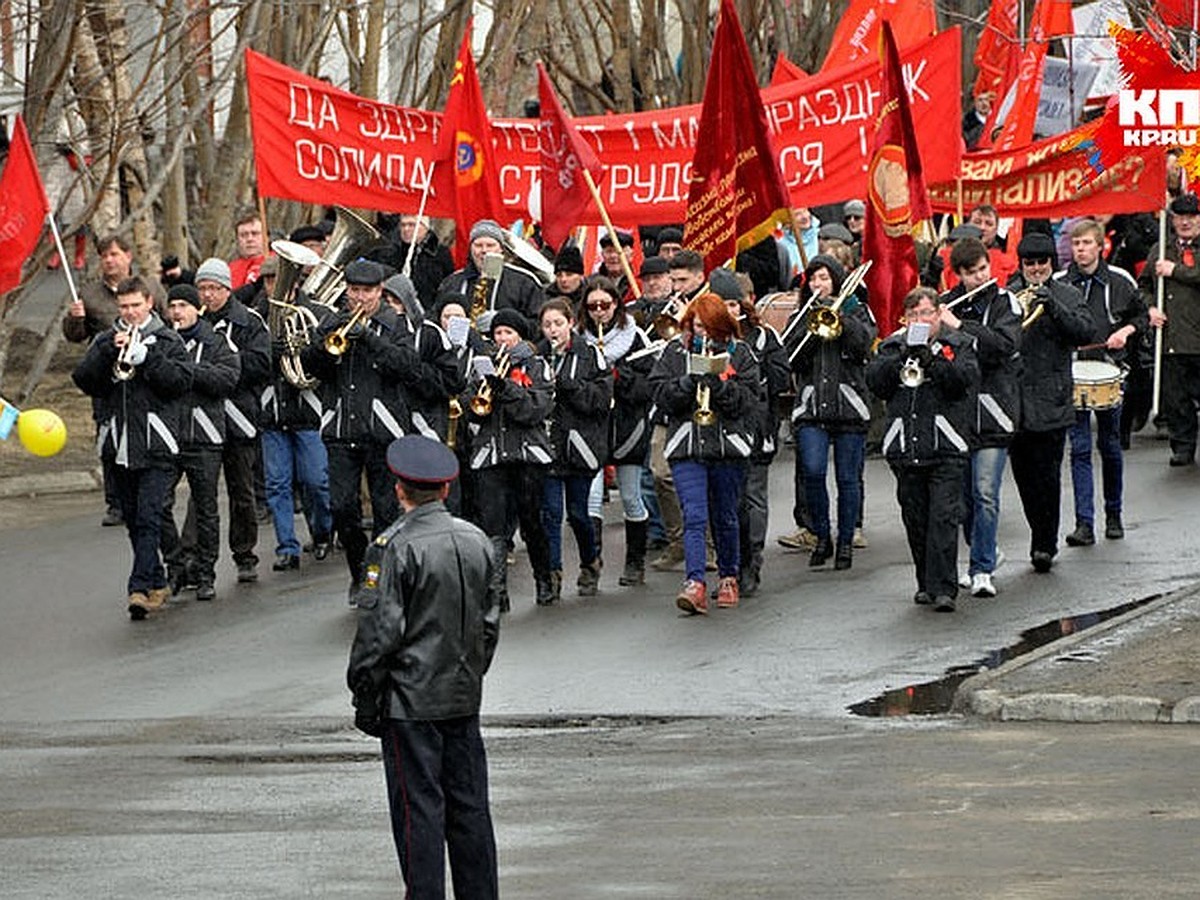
{"x": 292, "y": 373}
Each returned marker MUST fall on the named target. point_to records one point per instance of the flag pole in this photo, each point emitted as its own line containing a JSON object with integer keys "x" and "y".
{"x": 625, "y": 267}
{"x": 412, "y": 245}
{"x": 1160, "y": 300}
{"x": 62, "y": 254}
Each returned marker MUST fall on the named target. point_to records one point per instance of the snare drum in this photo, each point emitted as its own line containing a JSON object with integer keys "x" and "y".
{"x": 1097, "y": 384}
{"x": 775, "y": 309}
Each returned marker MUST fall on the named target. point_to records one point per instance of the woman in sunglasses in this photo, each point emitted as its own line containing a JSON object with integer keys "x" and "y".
{"x": 608, "y": 326}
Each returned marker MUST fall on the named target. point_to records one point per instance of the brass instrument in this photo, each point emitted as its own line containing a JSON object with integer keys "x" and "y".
{"x": 485, "y": 284}
{"x": 338, "y": 342}
{"x": 1030, "y": 312}
{"x": 911, "y": 373}
{"x": 667, "y": 323}
{"x": 452, "y": 418}
{"x": 703, "y": 414}
{"x": 123, "y": 367}
{"x": 293, "y": 323}
{"x": 649, "y": 350}
{"x": 481, "y": 403}
{"x": 350, "y": 238}
{"x": 529, "y": 257}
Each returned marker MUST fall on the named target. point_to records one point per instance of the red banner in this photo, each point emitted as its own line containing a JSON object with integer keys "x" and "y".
{"x": 23, "y": 207}
{"x": 565, "y": 159}
{"x": 1054, "y": 178}
{"x": 857, "y": 34}
{"x": 318, "y": 144}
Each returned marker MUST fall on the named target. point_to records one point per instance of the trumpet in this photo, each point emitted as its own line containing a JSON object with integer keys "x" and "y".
{"x": 124, "y": 368}
{"x": 667, "y": 323}
{"x": 481, "y": 403}
{"x": 1032, "y": 311}
{"x": 703, "y": 414}
{"x": 338, "y": 342}
{"x": 911, "y": 373}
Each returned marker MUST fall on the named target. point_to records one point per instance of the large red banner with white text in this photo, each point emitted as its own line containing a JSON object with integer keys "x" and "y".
{"x": 318, "y": 144}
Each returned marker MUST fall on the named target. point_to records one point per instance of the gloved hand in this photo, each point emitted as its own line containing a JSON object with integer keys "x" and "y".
{"x": 137, "y": 355}
{"x": 367, "y": 717}
{"x": 922, "y": 354}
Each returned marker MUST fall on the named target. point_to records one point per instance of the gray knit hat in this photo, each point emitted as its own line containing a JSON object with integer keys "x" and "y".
{"x": 213, "y": 269}
{"x": 487, "y": 228}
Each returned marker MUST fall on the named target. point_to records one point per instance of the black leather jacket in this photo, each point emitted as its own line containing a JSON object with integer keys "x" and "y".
{"x": 428, "y": 618}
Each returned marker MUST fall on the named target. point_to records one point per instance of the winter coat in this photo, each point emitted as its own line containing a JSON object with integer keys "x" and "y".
{"x": 993, "y": 318}
{"x": 583, "y": 396}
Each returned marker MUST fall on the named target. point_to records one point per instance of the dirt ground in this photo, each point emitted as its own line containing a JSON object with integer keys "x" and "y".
{"x": 55, "y": 392}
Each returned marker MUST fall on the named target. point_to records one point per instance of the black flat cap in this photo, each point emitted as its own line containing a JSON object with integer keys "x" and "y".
{"x": 420, "y": 460}
{"x": 1037, "y": 245}
{"x": 363, "y": 271}
{"x": 654, "y": 265}
{"x": 1186, "y": 205}
{"x": 307, "y": 233}
{"x": 624, "y": 238}
{"x": 670, "y": 235}
{"x": 722, "y": 283}
{"x": 966, "y": 230}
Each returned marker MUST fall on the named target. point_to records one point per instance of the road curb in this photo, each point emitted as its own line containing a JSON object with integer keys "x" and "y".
{"x": 984, "y": 695}
{"x": 35, "y": 483}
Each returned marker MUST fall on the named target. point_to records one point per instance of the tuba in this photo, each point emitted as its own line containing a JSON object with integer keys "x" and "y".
{"x": 292, "y": 323}
{"x": 351, "y": 236}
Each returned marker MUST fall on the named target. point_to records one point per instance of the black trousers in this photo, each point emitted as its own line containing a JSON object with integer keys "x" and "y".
{"x": 347, "y": 463}
{"x": 438, "y": 796}
{"x": 141, "y": 492}
{"x": 1036, "y": 459}
{"x": 930, "y": 498}
{"x": 202, "y": 467}
{"x": 1180, "y": 394}
{"x": 237, "y": 461}
{"x": 513, "y": 490}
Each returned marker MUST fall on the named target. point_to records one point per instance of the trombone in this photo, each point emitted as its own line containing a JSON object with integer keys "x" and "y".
{"x": 825, "y": 322}
{"x": 338, "y": 342}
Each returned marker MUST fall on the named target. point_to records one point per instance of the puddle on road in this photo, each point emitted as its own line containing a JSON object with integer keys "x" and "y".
{"x": 933, "y": 697}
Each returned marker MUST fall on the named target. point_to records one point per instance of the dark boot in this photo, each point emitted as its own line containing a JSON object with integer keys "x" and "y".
{"x": 500, "y": 572}
{"x": 821, "y": 552}
{"x": 598, "y": 534}
{"x": 844, "y": 556}
{"x": 635, "y": 554}
{"x": 556, "y": 585}
{"x": 1113, "y": 529}
{"x": 545, "y": 588}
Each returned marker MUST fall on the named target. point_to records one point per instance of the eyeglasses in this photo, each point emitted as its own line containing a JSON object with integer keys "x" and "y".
{"x": 597, "y": 306}
{"x": 1036, "y": 260}
{"x": 854, "y": 217}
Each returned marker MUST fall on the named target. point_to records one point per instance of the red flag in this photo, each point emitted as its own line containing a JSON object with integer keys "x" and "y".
{"x": 995, "y": 46}
{"x": 23, "y": 207}
{"x": 1051, "y": 18}
{"x": 857, "y": 33}
{"x": 785, "y": 70}
{"x": 896, "y": 196}
{"x": 737, "y": 192}
{"x": 565, "y": 157}
{"x": 466, "y": 141}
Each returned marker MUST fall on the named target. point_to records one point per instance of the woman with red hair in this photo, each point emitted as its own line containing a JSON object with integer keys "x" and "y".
{"x": 707, "y": 405}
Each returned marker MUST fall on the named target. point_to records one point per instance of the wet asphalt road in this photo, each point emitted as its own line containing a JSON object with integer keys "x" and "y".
{"x": 206, "y": 753}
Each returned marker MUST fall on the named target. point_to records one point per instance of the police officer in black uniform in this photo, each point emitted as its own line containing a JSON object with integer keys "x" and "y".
{"x": 428, "y": 622}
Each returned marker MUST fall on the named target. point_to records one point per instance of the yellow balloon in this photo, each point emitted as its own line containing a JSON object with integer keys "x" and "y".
{"x": 42, "y": 432}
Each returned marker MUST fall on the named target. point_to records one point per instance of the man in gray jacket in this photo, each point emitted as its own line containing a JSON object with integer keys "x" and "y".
{"x": 428, "y": 621}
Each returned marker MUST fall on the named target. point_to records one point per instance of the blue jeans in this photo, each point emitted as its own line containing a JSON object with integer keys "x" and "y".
{"x": 1108, "y": 442}
{"x": 629, "y": 481}
{"x": 981, "y": 506}
{"x": 301, "y": 456}
{"x": 698, "y": 484}
{"x": 848, "y": 447}
{"x": 576, "y": 487}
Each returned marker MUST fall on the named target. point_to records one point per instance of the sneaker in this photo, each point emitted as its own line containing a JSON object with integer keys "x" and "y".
{"x": 320, "y": 550}
{"x": 1082, "y": 536}
{"x": 860, "y": 540}
{"x": 138, "y": 605}
{"x": 206, "y": 592}
{"x": 283, "y": 562}
{"x": 1113, "y": 529}
{"x": 964, "y": 580}
{"x": 801, "y": 539}
{"x": 247, "y": 571}
{"x": 944, "y": 603}
{"x": 692, "y": 599}
{"x": 727, "y": 593}
{"x": 923, "y": 598}
{"x": 981, "y": 585}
